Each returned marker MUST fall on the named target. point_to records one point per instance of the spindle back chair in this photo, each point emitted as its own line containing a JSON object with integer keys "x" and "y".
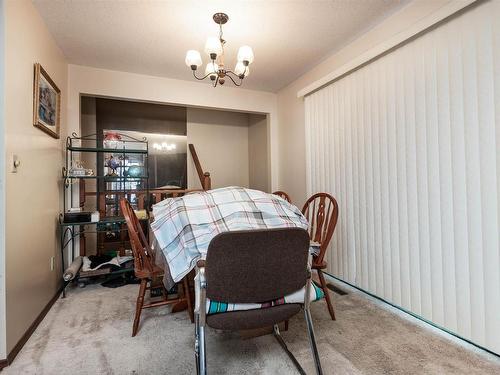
{"x": 283, "y": 195}
{"x": 322, "y": 211}
{"x": 146, "y": 269}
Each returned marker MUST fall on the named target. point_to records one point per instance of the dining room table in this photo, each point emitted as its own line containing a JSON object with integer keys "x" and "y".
{"x": 183, "y": 227}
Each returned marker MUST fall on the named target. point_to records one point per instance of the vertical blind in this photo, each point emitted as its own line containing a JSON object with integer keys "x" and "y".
{"x": 409, "y": 146}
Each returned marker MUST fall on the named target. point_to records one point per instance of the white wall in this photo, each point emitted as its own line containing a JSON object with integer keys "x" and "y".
{"x": 221, "y": 142}
{"x": 86, "y": 80}
{"x": 34, "y": 192}
{"x": 292, "y": 153}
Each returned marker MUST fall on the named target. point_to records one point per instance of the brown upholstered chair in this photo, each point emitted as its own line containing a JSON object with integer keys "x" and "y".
{"x": 145, "y": 268}
{"x": 253, "y": 267}
{"x": 322, "y": 211}
{"x": 283, "y": 195}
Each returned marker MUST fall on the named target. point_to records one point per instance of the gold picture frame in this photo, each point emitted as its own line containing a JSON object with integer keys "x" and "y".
{"x": 46, "y": 103}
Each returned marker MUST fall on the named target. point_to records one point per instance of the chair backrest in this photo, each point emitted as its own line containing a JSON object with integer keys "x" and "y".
{"x": 283, "y": 195}
{"x": 143, "y": 255}
{"x": 321, "y": 211}
{"x": 257, "y": 265}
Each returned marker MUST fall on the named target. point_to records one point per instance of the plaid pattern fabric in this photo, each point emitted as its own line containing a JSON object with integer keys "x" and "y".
{"x": 214, "y": 307}
{"x": 184, "y": 226}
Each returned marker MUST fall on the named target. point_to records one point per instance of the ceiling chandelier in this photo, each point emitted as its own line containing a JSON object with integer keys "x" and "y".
{"x": 215, "y": 69}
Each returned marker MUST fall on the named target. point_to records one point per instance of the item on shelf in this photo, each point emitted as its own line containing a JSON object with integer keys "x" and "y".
{"x": 113, "y": 163}
{"x": 133, "y": 171}
{"x": 73, "y": 269}
{"x": 111, "y": 140}
{"x": 95, "y": 262}
{"x": 77, "y": 169}
{"x": 89, "y": 172}
{"x": 141, "y": 214}
{"x": 81, "y": 217}
{"x": 111, "y": 231}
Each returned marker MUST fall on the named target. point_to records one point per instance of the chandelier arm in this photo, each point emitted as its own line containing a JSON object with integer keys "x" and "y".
{"x": 236, "y": 76}
{"x": 232, "y": 79}
{"x": 216, "y": 81}
{"x": 200, "y": 79}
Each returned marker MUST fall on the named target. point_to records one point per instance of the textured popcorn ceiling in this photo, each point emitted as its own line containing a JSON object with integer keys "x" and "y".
{"x": 151, "y": 37}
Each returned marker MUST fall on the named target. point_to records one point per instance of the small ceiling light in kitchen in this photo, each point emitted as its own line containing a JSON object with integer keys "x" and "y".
{"x": 216, "y": 69}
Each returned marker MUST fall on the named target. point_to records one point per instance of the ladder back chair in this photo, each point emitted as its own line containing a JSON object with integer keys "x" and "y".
{"x": 253, "y": 266}
{"x": 283, "y": 195}
{"x": 322, "y": 211}
{"x": 145, "y": 268}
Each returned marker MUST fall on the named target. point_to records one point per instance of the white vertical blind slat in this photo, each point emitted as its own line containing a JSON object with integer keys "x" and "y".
{"x": 384, "y": 183}
{"x": 408, "y": 145}
{"x": 402, "y": 195}
{"x": 392, "y": 181}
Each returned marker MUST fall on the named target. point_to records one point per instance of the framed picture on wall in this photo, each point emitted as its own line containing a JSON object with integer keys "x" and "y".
{"x": 46, "y": 103}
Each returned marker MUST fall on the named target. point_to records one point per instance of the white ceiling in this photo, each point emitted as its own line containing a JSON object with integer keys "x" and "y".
{"x": 151, "y": 37}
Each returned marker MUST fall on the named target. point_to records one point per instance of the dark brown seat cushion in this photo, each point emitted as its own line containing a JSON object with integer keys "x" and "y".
{"x": 251, "y": 319}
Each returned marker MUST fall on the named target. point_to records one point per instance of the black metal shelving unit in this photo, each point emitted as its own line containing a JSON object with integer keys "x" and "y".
{"x": 108, "y": 190}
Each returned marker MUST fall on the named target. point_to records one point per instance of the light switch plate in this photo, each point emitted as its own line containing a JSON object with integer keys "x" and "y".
{"x": 15, "y": 163}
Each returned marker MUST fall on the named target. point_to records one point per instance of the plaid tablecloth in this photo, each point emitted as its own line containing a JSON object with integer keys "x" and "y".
{"x": 184, "y": 226}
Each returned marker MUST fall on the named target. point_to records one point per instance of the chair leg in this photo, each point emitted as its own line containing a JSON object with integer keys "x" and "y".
{"x": 197, "y": 343}
{"x": 312, "y": 341}
{"x": 280, "y": 340}
{"x": 138, "y": 308}
{"x": 202, "y": 351}
{"x": 327, "y": 294}
{"x": 165, "y": 293}
{"x": 187, "y": 295}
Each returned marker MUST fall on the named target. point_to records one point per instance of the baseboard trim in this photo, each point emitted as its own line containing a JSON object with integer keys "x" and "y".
{"x": 415, "y": 315}
{"x": 22, "y": 341}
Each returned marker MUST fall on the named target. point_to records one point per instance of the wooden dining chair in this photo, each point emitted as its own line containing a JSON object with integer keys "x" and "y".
{"x": 322, "y": 211}
{"x": 283, "y": 195}
{"x": 145, "y": 268}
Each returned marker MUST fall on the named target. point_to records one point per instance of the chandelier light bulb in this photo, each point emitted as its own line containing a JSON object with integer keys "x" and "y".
{"x": 212, "y": 69}
{"x": 245, "y": 53}
{"x": 213, "y": 47}
{"x": 241, "y": 70}
{"x": 193, "y": 59}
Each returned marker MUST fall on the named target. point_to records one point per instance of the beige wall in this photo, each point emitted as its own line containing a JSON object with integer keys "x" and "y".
{"x": 221, "y": 142}
{"x": 292, "y": 155}
{"x": 3, "y": 351}
{"x": 34, "y": 193}
{"x": 258, "y": 168}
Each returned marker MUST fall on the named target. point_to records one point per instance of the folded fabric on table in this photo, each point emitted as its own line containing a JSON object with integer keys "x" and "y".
{"x": 184, "y": 226}
{"x": 214, "y": 307}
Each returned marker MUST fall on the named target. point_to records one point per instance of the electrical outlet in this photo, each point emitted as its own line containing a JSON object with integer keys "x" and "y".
{"x": 52, "y": 261}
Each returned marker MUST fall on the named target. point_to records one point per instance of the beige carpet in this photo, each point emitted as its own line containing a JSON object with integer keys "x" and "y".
{"x": 89, "y": 333}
